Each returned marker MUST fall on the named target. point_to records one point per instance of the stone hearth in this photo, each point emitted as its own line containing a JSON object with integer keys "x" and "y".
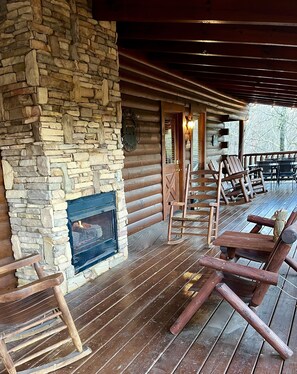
{"x": 60, "y": 113}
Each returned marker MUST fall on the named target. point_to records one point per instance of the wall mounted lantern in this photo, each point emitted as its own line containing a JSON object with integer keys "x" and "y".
{"x": 188, "y": 129}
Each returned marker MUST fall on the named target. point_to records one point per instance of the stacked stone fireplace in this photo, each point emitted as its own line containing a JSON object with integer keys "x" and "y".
{"x": 60, "y": 113}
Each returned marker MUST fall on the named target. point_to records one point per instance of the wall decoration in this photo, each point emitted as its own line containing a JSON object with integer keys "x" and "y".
{"x": 130, "y": 130}
{"x": 214, "y": 140}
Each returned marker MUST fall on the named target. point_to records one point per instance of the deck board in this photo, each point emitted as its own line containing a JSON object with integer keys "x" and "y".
{"x": 125, "y": 314}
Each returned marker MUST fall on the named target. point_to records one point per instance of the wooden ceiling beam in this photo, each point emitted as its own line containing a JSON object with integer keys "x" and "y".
{"x": 270, "y": 12}
{"x": 228, "y": 62}
{"x": 250, "y": 34}
{"x": 278, "y": 77}
{"x": 213, "y": 49}
{"x": 255, "y": 89}
{"x": 263, "y": 82}
{"x": 269, "y": 100}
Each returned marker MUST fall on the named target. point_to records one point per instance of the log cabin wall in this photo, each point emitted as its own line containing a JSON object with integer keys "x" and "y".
{"x": 143, "y": 88}
{"x": 143, "y": 167}
{"x": 216, "y": 144}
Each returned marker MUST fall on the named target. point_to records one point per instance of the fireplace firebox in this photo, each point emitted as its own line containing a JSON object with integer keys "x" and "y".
{"x": 92, "y": 229}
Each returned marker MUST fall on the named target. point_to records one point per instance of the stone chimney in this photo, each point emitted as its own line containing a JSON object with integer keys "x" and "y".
{"x": 60, "y": 113}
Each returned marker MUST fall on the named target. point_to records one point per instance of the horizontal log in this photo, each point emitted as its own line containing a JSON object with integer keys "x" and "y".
{"x": 5, "y": 231}
{"x": 212, "y": 131}
{"x": 214, "y": 152}
{"x": 144, "y": 213}
{"x": 150, "y": 127}
{"x": 145, "y": 71}
{"x": 167, "y": 88}
{"x": 135, "y": 184}
{"x": 144, "y": 223}
{"x": 2, "y": 196}
{"x": 145, "y": 149}
{"x": 145, "y": 202}
{"x": 134, "y": 161}
{"x": 141, "y": 171}
{"x": 137, "y": 102}
{"x": 241, "y": 270}
{"x": 143, "y": 192}
{"x": 150, "y": 138}
{"x": 153, "y": 117}
{"x": 5, "y": 246}
{"x": 8, "y": 281}
{"x": 136, "y": 90}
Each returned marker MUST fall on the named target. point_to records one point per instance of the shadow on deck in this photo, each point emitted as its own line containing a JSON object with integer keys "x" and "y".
{"x": 125, "y": 314}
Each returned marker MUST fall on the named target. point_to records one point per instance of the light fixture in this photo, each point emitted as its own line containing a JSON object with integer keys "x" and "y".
{"x": 188, "y": 128}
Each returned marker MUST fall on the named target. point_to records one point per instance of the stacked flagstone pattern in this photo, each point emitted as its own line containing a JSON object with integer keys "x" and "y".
{"x": 60, "y": 113}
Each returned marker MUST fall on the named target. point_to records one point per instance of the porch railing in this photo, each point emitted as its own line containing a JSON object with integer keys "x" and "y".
{"x": 253, "y": 158}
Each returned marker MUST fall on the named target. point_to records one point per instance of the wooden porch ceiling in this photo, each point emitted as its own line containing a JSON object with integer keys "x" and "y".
{"x": 246, "y": 49}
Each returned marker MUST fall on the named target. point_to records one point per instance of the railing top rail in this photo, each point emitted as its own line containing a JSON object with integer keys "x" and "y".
{"x": 253, "y": 158}
{"x": 270, "y": 153}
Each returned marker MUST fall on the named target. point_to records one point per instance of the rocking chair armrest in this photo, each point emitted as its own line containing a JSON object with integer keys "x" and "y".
{"x": 261, "y": 220}
{"x": 234, "y": 176}
{"x": 289, "y": 235}
{"x": 241, "y": 270}
{"x": 19, "y": 293}
{"x": 254, "y": 170}
{"x": 176, "y": 203}
{"x": 16, "y": 264}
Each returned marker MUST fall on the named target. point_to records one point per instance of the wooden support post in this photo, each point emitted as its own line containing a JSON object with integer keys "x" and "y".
{"x": 196, "y": 303}
{"x": 254, "y": 320}
{"x": 202, "y": 140}
{"x": 241, "y": 141}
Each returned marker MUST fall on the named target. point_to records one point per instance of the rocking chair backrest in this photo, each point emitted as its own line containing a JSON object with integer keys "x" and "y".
{"x": 203, "y": 187}
{"x": 233, "y": 165}
{"x": 279, "y": 252}
{"x": 200, "y": 208}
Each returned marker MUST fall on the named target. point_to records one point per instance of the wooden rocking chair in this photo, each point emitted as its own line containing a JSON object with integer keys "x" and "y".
{"x": 233, "y": 186}
{"x": 31, "y": 314}
{"x": 199, "y": 214}
{"x": 254, "y": 177}
{"x": 253, "y": 246}
{"x": 239, "y": 284}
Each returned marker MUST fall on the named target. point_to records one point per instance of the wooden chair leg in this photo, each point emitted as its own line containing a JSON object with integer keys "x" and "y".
{"x": 291, "y": 262}
{"x": 254, "y": 320}
{"x": 256, "y": 229}
{"x": 196, "y": 303}
{"x": 68, "y": 319}
{"x": 7, "y": 360}
{"x": 210, "y": 224}
{"x": 226, "y": 200}
{"x": 244, "y": 191}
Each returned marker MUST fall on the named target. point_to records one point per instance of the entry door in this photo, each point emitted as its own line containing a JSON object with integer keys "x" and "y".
{"x": 171, "y": 159}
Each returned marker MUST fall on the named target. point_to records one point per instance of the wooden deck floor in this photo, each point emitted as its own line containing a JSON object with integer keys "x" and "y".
{"x": 125, "y": 314}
